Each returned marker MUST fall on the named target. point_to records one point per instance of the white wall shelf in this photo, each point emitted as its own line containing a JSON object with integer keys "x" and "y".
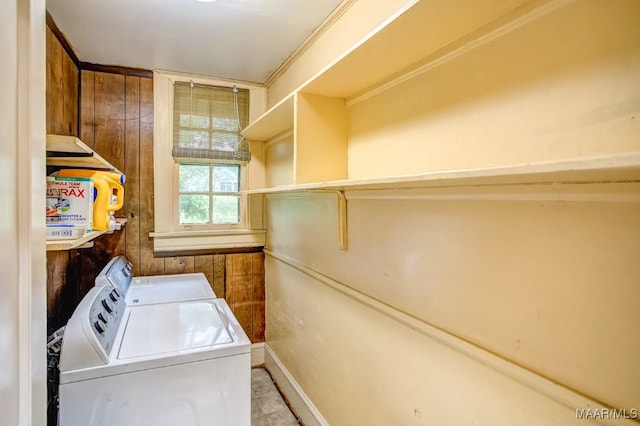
{"x": 277, "y": 120}
{"x": 69, "y": 151}
{"x": 322, "y": 151}
{"x": 605, "y": 169}
{"x": 386, "y": 53}
{"x": 83, "y": 242}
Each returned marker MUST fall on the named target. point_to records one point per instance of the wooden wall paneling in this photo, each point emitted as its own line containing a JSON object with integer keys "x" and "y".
{"x": 109, "y": 113}
{"x": 219, "y": 273}
{"x": 258, "y": 297}
{"x": 105, "y": 247}
{"x": 56, "y": 278}
{"x": 109, "y": 104}
{"x": 204, "y": 264}
{"x": 178, "y": 265}
{"x": 74, "y": 289}
{"x": 70, "y": 82}
{"x": 149, "y": 264}
{"x": 87, "y": 108}
{"x": 239, "y": 289}
{"x": 132, "y": 171}
{"x": 84, "y": 266}
{"x": 62, "y": 89}
{"x": 245, "y": 292}
{"x": 116, "y": 69}
{"x": 214, "y": 268}
{"x": 54, "y": 54}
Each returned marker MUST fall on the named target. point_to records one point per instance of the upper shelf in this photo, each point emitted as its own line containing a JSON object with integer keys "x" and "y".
{"x": 69, "y": 151}
{"x": 417, "y": 38}
{"x": 615, "y": 168}
{"x": 409, "y": 42}
{"x": 383, "y": 52}
{"x": 275, "y": 121}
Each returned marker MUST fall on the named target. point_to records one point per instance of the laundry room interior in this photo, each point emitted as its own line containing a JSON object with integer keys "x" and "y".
{"x": 439, "y": 223}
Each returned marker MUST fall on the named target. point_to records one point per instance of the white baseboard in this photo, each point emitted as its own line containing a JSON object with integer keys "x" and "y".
{"x": 298, "y": 400}
{"x": 257, "y": 354}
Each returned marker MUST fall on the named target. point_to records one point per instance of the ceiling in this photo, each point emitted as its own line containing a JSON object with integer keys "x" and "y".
{"x": 237, "y": 39}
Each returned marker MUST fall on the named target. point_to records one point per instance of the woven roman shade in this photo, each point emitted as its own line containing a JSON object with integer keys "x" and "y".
{"x": 207, "y": 121}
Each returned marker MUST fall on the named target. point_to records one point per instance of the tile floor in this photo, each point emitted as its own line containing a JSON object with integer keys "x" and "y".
{"x": 267, "y": 405}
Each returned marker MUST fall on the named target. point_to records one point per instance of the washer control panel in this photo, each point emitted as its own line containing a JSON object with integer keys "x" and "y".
{"x": 117, "y": 272}
{"x": 105, "y": 314}
{"x": 92, "y": 330}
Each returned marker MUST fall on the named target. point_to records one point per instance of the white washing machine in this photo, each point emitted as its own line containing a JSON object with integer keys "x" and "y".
{"x": 153, "y": 289}
{"x": 177, "y": 363}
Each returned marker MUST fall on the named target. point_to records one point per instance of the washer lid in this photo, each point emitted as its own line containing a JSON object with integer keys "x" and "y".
{"x": 168, "y": 288}
{"x": 173, "y": 327}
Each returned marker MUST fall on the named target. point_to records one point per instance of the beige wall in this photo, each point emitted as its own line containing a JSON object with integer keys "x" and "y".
{"x": 542, "y": 280}
{"x": 550, "y": 285}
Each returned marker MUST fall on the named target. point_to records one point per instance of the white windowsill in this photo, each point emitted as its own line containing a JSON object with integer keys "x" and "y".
{"x": 210, "y": 239}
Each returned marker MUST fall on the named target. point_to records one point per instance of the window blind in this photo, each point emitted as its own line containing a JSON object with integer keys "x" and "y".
{"x": 207, "y": 121}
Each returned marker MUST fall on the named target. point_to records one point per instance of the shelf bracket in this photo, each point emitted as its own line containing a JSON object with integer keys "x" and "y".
{"x": 343, "y": 240}
{"x": 341, "y": 215}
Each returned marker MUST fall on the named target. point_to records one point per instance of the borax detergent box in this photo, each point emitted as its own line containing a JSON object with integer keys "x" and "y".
{"x": 70, "y": 201}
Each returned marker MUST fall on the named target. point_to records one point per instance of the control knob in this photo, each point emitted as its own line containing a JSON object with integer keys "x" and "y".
{"x": 98, "y": 327}
{"x": 127, "y": 270}
{"x": 107, "y": 306}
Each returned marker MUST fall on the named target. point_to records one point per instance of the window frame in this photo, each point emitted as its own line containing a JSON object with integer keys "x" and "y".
{"x": 212, "y": 226}
{"x": 169, "y": 235}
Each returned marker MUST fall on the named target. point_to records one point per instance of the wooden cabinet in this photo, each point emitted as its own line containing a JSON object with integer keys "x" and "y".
{"x": 505, "y": 93}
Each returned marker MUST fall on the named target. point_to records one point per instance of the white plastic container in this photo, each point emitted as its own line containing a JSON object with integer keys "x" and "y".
{"x": 65, "y": 231}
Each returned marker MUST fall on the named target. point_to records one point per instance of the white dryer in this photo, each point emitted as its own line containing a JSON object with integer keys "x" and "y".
{"x": 176, "y": 363}
{"x": 153, "y": 289}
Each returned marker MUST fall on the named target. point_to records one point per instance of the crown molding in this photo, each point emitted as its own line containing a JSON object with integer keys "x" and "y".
{"x": 322, "y": 28}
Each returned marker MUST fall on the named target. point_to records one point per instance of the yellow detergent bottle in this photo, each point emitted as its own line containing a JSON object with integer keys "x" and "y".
{"x": 109, "y": 194}
{"x": 109, "y": 198}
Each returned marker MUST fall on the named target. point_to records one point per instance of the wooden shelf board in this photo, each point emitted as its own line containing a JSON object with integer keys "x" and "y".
{"x": 616, "y": 168}
{"x": 416, "y": 37}
{"x": 85, "y": 241}
{"x": 80, "y": 154}
{"x": 71, "y": 244}
{"x": 370, "y": 60}
{"x": 275, "y": 121}
{"x": 412, "y": 40}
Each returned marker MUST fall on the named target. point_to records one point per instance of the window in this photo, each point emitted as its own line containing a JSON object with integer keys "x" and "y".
{"x": 206, "y": 131}
{"x": 208, "y": 194}
{"x": 201, "y": 164}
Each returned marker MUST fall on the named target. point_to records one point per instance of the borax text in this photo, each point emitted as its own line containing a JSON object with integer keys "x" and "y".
{"x": 67, "y": 192}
